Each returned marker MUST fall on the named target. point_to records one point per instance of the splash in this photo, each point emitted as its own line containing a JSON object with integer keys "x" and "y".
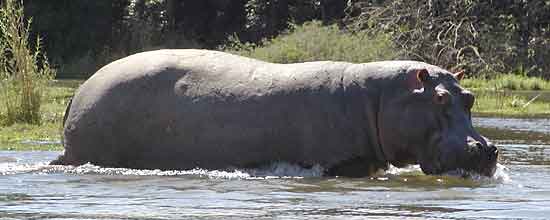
{"x": 272, "y": 171}
{"x": 411, "y": 170}
{"x": 14, "y": 168}
{"x": 90, "y": 169}
{"x": 275, "y": 170}
{"x": 500, "y": 175}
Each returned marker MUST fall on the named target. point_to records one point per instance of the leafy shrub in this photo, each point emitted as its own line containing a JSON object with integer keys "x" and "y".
{"x": 312, "y": 41}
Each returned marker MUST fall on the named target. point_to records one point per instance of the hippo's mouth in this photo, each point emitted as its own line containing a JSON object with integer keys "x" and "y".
{"x": 479, "y": 159}
{"x": 486, "y": 161}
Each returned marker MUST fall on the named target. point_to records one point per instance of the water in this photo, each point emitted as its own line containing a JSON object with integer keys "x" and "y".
{"x": 30, "y": 189}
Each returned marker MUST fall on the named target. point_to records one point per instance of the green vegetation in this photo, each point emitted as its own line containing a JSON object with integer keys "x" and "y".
{"x": 485, "y": 37}
{"x": 506, "y": 96}
{"x": 509, "y": 104}
{"x": 312, "y": 42}
{"x": 507, "y": 82}
{"x": 23, "y": 72}
{"x": 20, "y": 136}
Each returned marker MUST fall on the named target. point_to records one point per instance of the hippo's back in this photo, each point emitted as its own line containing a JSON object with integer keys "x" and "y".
{"x": 173, "y": 109}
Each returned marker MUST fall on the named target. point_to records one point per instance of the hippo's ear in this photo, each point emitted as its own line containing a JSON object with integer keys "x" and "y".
{"x": 459, "y": 75}
{"x": 416, "y": 78}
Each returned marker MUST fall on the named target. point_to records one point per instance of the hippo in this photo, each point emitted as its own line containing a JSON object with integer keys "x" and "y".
{"x": 188, "y": 108}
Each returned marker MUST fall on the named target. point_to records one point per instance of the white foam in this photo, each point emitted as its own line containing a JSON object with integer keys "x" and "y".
{"x": 501, "y": 174}
{"x": 403, "y": 170}
{"x": 14, "y": 168}
{"x": 93, "y": 169}
{"x": 275, "y": 170}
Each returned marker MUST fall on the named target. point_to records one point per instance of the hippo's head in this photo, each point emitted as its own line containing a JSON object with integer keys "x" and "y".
{"x": 428, "y": 121}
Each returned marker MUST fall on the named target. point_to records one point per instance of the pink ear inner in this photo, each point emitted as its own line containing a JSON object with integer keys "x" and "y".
{"x": 415, "y": 78}
{"x": 459, "y": 75}
{"x": 422, "y": 75}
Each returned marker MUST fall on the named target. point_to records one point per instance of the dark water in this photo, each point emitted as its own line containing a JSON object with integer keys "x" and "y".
{"x": 29, "y": 189}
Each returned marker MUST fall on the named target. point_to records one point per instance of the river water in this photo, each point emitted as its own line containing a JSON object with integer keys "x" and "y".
{"x": 30, "y": 189}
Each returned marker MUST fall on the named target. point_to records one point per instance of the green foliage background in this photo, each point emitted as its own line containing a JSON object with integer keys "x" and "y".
{"x": 483, "y": 37}
{"x": 312, "y": 41}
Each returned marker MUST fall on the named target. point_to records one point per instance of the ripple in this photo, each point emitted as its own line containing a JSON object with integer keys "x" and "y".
{"x": 9, "y": 197}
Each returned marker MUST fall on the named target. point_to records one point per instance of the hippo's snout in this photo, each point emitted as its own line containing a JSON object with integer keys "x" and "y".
{"x": 489, "y": 160}
{"x": 491, "y": 153}
{"x": 486, "y": 156}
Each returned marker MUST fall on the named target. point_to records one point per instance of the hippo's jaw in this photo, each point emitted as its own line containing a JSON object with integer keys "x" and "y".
{"x": 475, "y": 158}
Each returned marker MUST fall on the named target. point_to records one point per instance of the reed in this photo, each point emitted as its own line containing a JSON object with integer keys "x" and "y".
{"x": 24, "y": 69}
{"x": 509, "y": 104}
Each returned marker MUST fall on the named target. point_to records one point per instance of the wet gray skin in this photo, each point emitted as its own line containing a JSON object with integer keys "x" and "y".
{"x": 181, "y": 109}
{"x": 435, "y": 118}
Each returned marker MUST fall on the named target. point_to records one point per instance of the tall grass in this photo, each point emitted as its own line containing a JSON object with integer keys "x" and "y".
{"x": 54, "y": 102}
{"x": 507, "y": 103}
{"x": 507, "y": 82}
{"x": 312, "y": 41}
{"x": 24, "y": 70}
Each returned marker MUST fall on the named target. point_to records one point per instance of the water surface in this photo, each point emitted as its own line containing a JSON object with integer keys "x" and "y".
{"x": 30, "y": 189}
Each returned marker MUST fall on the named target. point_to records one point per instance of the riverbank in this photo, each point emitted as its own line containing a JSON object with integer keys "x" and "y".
{"x": 489, "y": 103}
{"x": 509, "y": 95}
{"x": 46, "y": 136}
{"x": 512, "y": 104}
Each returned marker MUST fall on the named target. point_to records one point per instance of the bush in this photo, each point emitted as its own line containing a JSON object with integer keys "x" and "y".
{"x": 312, "y": 41}
{"x": 23, "y": 72}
